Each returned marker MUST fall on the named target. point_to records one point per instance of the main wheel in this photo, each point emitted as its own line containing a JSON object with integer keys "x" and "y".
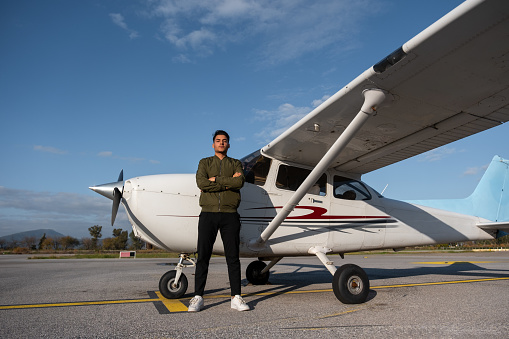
{"x": 168, "y": 288}
{"x": 350, "y": 284}
{"x": 254, "y": 275}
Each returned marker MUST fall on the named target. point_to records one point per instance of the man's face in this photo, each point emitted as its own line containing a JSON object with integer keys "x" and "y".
{"x": 221, "y": 144}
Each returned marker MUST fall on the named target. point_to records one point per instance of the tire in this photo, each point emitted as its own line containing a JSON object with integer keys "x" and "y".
{"x": 351, "y": 284}
{"x": 253, "y": 274}
{"x": 166, "y": 285}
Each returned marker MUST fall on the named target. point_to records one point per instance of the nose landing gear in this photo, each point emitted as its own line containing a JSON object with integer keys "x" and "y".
{"x": 173, "y": 284}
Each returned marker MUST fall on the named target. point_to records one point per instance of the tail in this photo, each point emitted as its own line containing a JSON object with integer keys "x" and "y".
{"x": 490, "y": 199}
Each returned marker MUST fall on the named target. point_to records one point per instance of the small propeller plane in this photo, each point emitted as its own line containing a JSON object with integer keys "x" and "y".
{"x": 303, "y": 194}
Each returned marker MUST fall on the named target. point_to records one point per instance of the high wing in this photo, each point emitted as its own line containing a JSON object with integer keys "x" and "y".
{"x": 448, "y": 82}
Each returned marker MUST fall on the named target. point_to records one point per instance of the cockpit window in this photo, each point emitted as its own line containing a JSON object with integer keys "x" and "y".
{"x": 256, "y": 168}
{"x": 290, "y": 178}
{"x": 349, "y": 189}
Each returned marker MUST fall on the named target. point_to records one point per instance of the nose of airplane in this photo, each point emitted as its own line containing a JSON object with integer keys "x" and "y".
{"x": 107, "y": 190}
{"x": 113, "y": 191}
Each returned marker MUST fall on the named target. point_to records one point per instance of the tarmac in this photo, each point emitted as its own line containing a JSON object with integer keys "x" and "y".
{"x": 417, "y": 295}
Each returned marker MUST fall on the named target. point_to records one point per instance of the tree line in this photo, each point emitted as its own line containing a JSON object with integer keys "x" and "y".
{"x": 119, "y": 241}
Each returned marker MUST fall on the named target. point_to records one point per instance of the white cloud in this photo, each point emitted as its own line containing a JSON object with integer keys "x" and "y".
{"x": 279, "y": 120}
{"x": 284, "y": 30}
{"x": 475, "y": 170}
{"x": 49, "y": 149}
{"x": 109, "y": 154}
{"x": 67, "y": 213}
{"x": 118, "y": 19}
{"x": 105, "y": 154}
{"x": 45, "y": 202}
{"x": 283, "y": 118}
{"x": 318, "y": 102}
{"x": 182, "y": 59}
{"x": 437, "y": 154}
{"x": 471, "y": 171}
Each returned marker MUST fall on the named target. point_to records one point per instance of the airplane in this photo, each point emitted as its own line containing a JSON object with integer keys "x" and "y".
{"x": 304, "y": 195}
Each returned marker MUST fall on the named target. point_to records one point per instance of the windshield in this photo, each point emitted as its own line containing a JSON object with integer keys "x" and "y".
{"x": 256, "y": 168}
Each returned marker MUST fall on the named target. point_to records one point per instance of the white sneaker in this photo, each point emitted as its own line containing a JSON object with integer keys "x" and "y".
{"x": 196, "y": 304}
{"x": 239, "y": 304}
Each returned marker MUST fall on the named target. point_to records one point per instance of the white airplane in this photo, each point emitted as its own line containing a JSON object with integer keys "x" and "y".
{"x": 303, "y": 193}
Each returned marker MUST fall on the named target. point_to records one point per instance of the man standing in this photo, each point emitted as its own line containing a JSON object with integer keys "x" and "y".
{"x": 220, "y": 179}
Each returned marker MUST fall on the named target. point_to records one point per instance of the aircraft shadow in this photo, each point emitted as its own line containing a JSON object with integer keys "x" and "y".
{"x": 285, "y": 282}
{"x": 321, "y": 275}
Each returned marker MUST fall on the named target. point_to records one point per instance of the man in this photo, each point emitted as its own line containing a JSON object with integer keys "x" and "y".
{"x": 220, "y": 179}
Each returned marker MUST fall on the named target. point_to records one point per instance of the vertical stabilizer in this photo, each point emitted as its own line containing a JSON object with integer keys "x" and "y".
{"x": 490, "y": 199}
{"x": 491, "y": 196}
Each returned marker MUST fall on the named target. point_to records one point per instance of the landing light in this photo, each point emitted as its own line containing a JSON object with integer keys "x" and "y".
{"x": 389, "y": 60}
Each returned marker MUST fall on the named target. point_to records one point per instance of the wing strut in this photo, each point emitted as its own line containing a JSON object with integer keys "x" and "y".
{"x": 373, "y": 98}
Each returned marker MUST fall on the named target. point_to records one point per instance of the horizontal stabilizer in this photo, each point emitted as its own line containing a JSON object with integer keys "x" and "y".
{"x": 500, "y": 226}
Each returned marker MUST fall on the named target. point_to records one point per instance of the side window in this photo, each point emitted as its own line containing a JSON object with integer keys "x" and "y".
{"x": 349, "y": 189}
{"x": 290, "y": 178}
{"x": 256, "y": 168}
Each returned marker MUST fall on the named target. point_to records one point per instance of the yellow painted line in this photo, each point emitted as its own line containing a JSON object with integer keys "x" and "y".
{"x": 454, "y": 262}
{"x": 173, "y": 305}
{"x": 440, "y": 283}
{"x": 372, "y": 287}
{"x": 81, "y": 303}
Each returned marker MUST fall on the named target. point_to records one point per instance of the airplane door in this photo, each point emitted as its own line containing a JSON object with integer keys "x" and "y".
{"x": 374, "y": 237}
{"x": 356, "y": 224}
{"x": 306, "y": 226}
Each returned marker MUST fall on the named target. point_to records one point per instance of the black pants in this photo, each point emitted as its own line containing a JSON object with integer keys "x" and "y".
{"x": 229, "y": 226}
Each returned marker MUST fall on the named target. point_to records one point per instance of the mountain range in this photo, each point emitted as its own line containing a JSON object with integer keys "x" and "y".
{"x": 35, "y": 233}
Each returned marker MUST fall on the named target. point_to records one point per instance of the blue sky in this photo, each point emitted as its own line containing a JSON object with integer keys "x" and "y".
{"x": 92, "y": 87}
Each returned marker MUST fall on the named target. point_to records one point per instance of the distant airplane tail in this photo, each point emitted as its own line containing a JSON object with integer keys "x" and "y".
{"x": 490, "y": 199}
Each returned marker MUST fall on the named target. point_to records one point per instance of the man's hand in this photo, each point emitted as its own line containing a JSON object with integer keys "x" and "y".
{"x": 236, "y": 175}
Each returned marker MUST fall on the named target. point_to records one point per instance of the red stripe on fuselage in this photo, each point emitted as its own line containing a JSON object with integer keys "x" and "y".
{"x": 318, "y": 214}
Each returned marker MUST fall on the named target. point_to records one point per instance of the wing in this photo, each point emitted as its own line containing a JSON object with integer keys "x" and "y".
{"x": 448, "y": 82}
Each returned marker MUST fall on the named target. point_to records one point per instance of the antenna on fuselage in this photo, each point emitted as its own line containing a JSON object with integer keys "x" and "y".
{"x": 384, "y": 189}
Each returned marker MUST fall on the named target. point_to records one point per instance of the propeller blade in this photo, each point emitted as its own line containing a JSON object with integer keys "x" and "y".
{"x": 116, "y": 202}
{"x": 121, "y": 176}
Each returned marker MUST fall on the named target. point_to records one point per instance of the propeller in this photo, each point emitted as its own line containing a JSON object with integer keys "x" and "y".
{"x": 117, "y": 196}
{"x": 112, "y": 191}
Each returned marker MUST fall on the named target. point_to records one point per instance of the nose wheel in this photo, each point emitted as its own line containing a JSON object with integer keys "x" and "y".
{"x": 173, "y": 284}
{"x": 170, "y": 288}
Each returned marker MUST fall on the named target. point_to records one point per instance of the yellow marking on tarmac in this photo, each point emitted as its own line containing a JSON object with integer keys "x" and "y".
{"x": 440, "y": 283}
{"x": 454, "y": 262}
{"x": 81, "y": 303}
{"x": 173, "y": 305}
{"x": 372, "y": 287}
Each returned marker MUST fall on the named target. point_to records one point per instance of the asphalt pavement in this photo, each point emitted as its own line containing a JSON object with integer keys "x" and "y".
{"x": 447, "y": 295}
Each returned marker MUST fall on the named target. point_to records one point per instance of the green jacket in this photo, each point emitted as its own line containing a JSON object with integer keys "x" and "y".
{"x": 224, "y": 194}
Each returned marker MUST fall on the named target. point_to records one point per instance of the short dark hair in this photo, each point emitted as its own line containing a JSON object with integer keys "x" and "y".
{"x": 220, "y": 132}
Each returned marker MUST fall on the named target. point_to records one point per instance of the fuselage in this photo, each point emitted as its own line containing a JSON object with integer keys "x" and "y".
{"x": 340, "y": 213}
